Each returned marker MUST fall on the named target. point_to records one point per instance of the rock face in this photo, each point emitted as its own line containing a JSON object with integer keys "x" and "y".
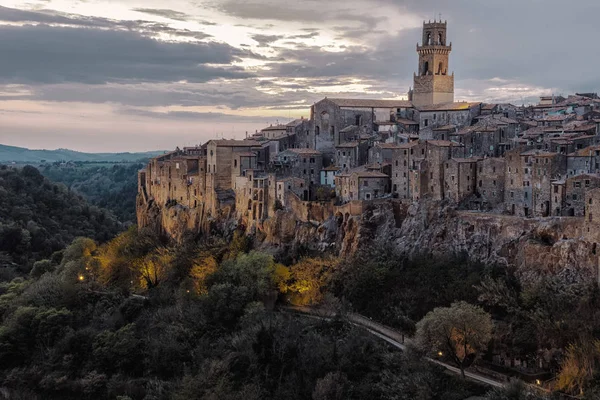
{"x": 535, "y": 247}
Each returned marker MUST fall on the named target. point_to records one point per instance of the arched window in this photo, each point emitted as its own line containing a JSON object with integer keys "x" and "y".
{"x": 428, "y": 38}
{"x": 440, "y": 39}
{"x": 317, "y": 130}
{"x": 425, "y": 68}
{"x": 441, "y": 69}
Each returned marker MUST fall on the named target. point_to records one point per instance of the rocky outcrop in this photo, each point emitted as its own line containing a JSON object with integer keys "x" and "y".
{"x": 534, "y": 247}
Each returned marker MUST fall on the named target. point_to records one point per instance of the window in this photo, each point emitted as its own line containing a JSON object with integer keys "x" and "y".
{"x": 312, "y": 160}
{"x": 366, "y": 183}
{"x": 235, "y": 163}
{"x": 576, "y": 184}
{"x": 574, "y": 197}
{"x": 587, "y": 183}
{"x": 426, "y": 123}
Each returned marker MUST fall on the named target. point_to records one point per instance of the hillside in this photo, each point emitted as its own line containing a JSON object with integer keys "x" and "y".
{"x": 39, "y": 217}
{"x": 110, "y": 186}
{"x": 23, "y": 155}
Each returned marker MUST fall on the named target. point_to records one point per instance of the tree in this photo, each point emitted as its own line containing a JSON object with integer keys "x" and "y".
{"x": 461, "y": 331}
{"x": 582, "y": 361}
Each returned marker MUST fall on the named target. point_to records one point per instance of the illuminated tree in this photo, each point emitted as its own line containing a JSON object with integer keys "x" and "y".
{"x": 153, "y": 268}
{"x": 460, "y": 331}
{"x": 203, "y": 266}
{"x": 579, "y": 366}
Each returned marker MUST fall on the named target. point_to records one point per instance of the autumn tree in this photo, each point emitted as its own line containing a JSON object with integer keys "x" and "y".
{"x": 461, "y": 331}
{"x": 581, "y": 363}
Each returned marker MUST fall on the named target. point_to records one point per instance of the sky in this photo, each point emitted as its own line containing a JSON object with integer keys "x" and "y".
{"x": 139, "y": 75}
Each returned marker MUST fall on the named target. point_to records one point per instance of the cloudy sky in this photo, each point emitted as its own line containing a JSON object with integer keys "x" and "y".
{"x": 133, "y": 75}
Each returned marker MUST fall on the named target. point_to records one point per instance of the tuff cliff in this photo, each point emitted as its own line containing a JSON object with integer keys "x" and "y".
{"x": 534, "y": 247}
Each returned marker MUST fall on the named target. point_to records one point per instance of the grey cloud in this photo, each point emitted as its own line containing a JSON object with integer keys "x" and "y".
{"x": 53, "y": 55}
{"x": 165, "y": 13}
{"x": 265, "y": 40}
{"x": 51, "y": 17}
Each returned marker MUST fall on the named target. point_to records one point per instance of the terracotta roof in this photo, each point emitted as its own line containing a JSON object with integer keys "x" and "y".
{"x": 235, "y": 143}
{"x": 539, "y": 153}
{"x": 368, "y": 103}
{"x": 405, "y": 121}
{"x": 587, "y": 152}
{"x": 443, "y": 143}
{"x": 457, "y": 106}
{"x": 408, "y": 145}
{"x": 305, "y": 151}
{"x": 295, "y": 122}
{"x": 370, "y": 174}
{"x": 275, "y": 128}
{"x": 445, "y": 128}
{"x": 386, "y": 145}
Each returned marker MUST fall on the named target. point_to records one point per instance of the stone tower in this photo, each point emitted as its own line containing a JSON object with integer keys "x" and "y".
{"x": 433, "y": 85}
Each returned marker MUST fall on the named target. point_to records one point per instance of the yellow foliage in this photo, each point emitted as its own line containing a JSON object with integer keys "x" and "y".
{"x": 152, "y": 268}
{"x": 309, "y": 279}
{"x": 202, "y": 268}
{"x": 578, "y": 367}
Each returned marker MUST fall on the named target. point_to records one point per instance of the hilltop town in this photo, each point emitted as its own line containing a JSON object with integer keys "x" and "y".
{"x": 539, "y": 161}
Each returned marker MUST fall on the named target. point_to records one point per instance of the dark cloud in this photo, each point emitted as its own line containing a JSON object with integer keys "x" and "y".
{"x": 265, "y": 40}
{"x": 165, "y": 13}
{"x": 50, "y": 17}
{"x": 46, "y": 54}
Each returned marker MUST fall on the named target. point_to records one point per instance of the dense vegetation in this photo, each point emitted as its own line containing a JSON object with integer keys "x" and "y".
{"x": 110, "y": 186}
{"x": 140, "y": 319}
{"x": 38, "y": 218}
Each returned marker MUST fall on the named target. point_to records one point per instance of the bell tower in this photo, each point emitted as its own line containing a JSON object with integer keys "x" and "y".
{"x": 432, "y": 84}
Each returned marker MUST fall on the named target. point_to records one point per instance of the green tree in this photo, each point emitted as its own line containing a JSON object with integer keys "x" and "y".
{"x": 461, "y": 331}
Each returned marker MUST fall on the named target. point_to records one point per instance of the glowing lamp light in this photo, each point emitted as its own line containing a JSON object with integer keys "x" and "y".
{"x": 81, "y": 278}
{"x": 440, "y": 353}
{"x": 538, "y": 382}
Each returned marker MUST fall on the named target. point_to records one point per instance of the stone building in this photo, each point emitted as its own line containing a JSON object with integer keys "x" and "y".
{"x": 491, "y": 177}
{"x": 302, "y": 163}
{"x": 439, "y": 115}
{"x": 576, "y": 188}
{"x": 584, "y": 161}
{"x": 361, "y": 185}
{"x": 301, "y": 130}
{"x": 351, "y": 155}
{"x": 437, "y": 153}
{"x": 331, "y": 116}
{"x": 221, "y": 168}
{"x": 291, "y": 184}
{"x": 433, "y": 84}
{"x": 460, "y": 178}
{"x": 405, "y": 159}
{"x": 542, "y": 168}
{"x": 274, "y": 131}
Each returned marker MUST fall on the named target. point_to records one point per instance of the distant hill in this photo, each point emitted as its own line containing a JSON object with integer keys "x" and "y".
{"x": 23, "y": 155}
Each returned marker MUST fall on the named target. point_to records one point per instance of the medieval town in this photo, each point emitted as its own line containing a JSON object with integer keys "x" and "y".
{"x": 528, "y": 161}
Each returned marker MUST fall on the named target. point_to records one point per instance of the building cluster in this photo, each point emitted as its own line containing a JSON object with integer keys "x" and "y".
{"x": 530, "y": 161}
